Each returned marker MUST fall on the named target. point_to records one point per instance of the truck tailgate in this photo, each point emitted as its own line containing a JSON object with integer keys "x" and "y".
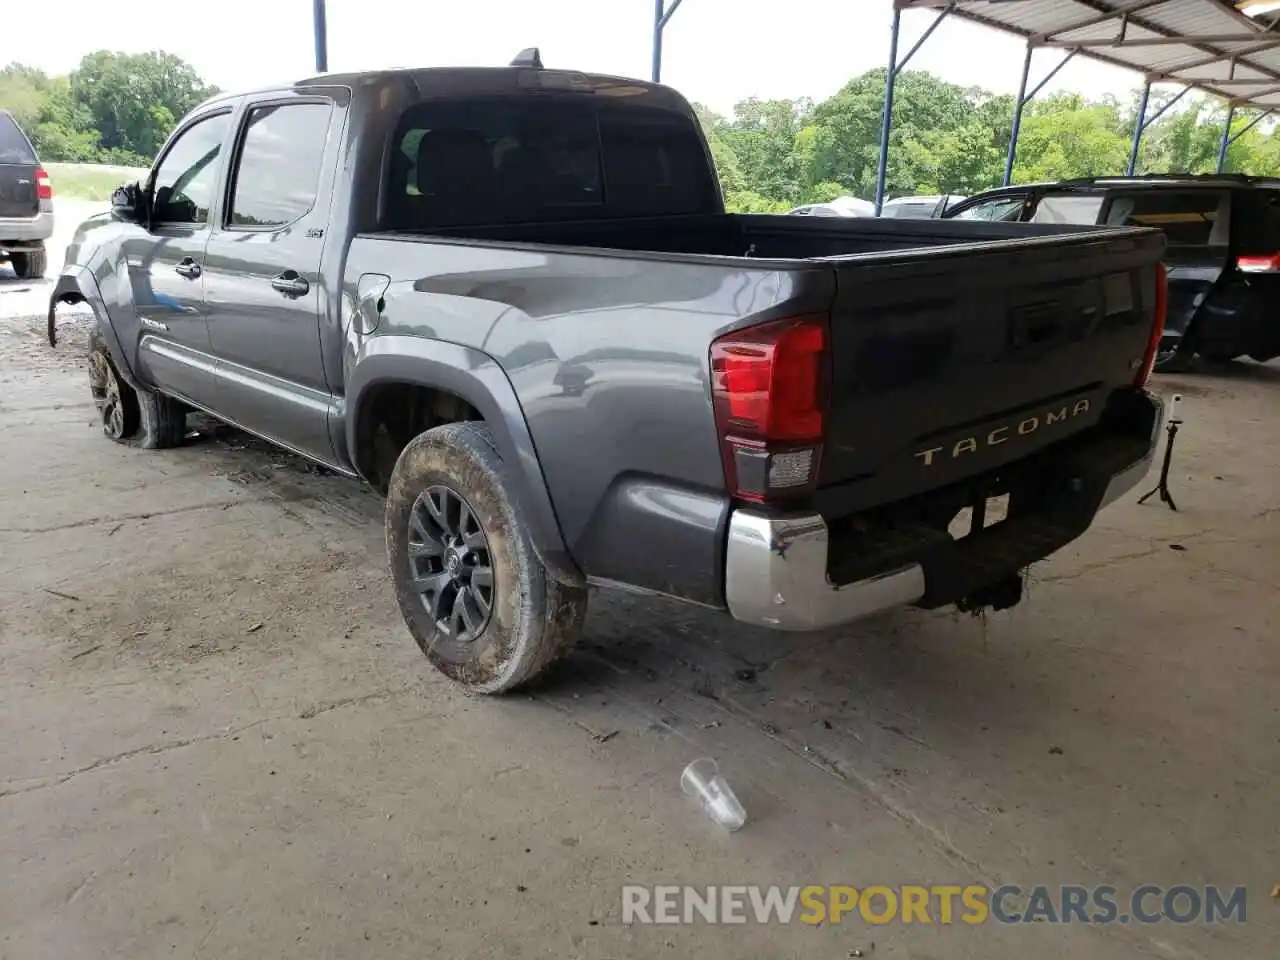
{"x": 954, "y": 361}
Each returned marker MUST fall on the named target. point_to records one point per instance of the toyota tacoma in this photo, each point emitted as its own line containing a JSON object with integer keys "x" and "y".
{"x": 512, "y": 300}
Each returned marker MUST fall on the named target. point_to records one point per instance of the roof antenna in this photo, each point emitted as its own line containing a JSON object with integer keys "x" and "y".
{"x": 528, "y": 57}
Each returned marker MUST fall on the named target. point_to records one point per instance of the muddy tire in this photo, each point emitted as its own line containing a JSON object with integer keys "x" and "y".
{"x": 116, "y": 401}
{"x": 29, "y": 265}
{"x": 146, "y": 419}
{"x": 473, "y": 593}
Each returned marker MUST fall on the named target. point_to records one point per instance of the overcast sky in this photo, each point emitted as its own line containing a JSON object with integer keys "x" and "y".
{"x": 716, "y": 51}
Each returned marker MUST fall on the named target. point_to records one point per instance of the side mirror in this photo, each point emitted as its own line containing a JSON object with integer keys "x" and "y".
{"x": 127, "y": 202}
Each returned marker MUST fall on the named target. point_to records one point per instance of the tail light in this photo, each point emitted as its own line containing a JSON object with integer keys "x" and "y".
{"x": 44, "y": 186}
{"x": 770, "y": 386}
{"x": 1260, "y": 263}
{"x": 1157, "y": 327}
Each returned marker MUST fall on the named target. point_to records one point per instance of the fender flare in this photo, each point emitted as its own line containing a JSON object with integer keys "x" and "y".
{"x": 77, "y": 285}
{"x": 478, "y": 379}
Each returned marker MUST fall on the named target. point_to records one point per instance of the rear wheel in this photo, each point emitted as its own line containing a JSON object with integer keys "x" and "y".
{"x": 475, "y": 596}
{"x": 30, "y": 264}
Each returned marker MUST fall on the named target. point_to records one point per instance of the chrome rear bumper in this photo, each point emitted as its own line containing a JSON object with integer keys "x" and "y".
{"x": 24, "y": 230}
{"x": 776, "y": 576}
{"x": 776, "y": 566}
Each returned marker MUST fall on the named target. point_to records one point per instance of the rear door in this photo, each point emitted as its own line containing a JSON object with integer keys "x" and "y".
{"x": 18, "y": 170}
{"x": 1196, "y": 225}
{"x": 262, "y": 272}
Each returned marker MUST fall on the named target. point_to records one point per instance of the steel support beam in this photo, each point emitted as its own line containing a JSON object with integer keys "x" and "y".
{"x": 886, "y": 119}
{"x": 1023, "y": 99}
{"x": 1249, "y": 126}
{"x": 1138, "y": 126}
{"x": 1106, "y": 17}
{"x": 1154, "y": 41}
{"x": 942, "y": 15}
{"x": 1167, "y": 106}
{"x": 322, "y": 36}
{"x": 896, "y": 66}
{"x": 1143, "y": 121}
{"x": 1227, "y": 81}
{"x": 1017, "y": 116}
{"x": 661, "y": 15}
{"x": 1226, "y": 136}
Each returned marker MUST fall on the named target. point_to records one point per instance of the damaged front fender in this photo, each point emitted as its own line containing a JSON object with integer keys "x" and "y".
{"x": 77, "y": 285}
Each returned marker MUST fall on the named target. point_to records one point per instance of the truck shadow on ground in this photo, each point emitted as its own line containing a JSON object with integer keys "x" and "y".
{"x": 649, "y": 648}
{"x": 942, "y": 718}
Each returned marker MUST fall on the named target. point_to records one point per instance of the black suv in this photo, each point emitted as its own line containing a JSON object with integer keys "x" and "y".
{"x": 1223, "y": 253}
{"x": 26, "y": 202}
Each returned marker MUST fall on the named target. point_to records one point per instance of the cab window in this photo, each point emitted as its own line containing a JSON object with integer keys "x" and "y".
{"x": 187, "y": 178}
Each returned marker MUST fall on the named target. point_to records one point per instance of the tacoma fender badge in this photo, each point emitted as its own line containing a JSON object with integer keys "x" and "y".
{"x": 154, "y": 324}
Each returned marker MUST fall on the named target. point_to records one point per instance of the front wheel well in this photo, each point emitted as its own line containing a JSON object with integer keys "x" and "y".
{"x": 392, "y": 414}
{"x": 71, "y": 295}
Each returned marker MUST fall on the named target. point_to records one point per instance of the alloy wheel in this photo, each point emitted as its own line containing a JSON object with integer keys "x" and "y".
{"x": 451, "y": 569}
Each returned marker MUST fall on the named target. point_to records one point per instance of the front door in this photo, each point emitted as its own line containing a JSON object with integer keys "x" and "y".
{"x": 166, "y": 262}
{"x": 262, "y": 275}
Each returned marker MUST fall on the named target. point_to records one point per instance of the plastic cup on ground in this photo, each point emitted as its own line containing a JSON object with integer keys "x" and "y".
{"x": 702, "y": 779}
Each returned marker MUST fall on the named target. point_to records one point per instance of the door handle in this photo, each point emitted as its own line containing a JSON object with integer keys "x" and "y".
{"x": 188, "y": 268}
{"x": 290, "y": 284}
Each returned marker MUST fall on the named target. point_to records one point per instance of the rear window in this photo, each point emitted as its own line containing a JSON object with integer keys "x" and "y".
{"x": 1186, "y": 216}
{"x": 1255, "y": 221}
{"x": 524, "y": 160}
{"x": 14, "y": 146}
{"x": 1068, "y": 208}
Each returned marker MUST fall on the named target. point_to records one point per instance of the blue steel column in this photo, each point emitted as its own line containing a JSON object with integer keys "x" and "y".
{"x": 1138, "y": 126}
{"x": 1017, "y": 117}
{"x": 886, "y": 121}
{"x": 322, "y": 39}
{"x": 1226, "y": 137}
{"x": 657, "y": 40}
{"x": 661, "y": 15}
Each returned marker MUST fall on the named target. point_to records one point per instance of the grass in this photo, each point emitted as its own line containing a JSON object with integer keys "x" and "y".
{"x": 87, "y": 181}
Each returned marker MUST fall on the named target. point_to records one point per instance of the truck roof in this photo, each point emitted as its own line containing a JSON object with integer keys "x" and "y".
{"x": 1153, "y": 180}
{"x": 479, "y": 81}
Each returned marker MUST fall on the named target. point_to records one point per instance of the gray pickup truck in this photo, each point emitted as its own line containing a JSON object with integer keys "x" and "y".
{"x": 512, "y": 299}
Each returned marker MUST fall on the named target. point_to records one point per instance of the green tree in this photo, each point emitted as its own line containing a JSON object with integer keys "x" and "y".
{"x": 762, "y": 135}
{"x": 1065, "y": 136}
{"x": 133, "y": 100}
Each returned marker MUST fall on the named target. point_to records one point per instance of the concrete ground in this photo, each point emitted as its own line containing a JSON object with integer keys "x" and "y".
{"x": 219, "y": 741}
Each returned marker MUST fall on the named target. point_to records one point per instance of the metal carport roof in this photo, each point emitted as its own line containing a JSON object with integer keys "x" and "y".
{"x": 1212, "y": 45}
